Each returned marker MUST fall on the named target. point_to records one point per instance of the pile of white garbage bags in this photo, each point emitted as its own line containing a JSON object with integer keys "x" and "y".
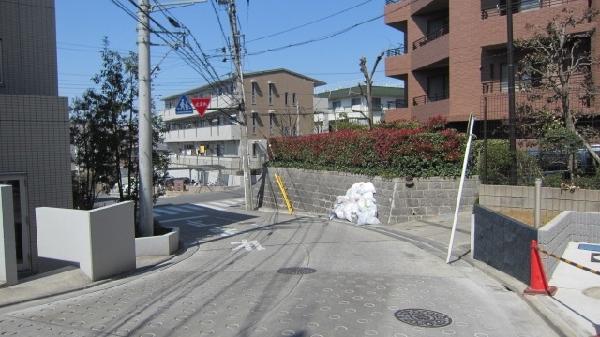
{"x": 357, "y": 206}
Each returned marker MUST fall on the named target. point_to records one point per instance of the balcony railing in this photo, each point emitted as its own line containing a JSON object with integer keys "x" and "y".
{"x": 430, "y": 37}
{"x": 519, "y": 6}
{"x": 389, "y": 2}
{"x": 396, "y": 51}
{"x": 425, "y": 99}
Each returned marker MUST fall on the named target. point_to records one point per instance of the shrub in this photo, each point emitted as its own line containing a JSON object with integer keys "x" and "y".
{"x": 499, "y": 163}
{"x": 390, "y": 152}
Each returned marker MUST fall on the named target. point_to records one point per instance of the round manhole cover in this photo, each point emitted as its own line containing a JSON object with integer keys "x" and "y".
{"x": 296, "y": 271}
{"x": 423, "y": 318}
{"x": 593, "y": 292}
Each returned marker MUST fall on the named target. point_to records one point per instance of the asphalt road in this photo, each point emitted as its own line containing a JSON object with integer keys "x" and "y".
{"x": 354, "y": 282}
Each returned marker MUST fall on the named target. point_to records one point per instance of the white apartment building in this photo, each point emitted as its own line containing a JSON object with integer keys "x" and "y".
{"x": 350, "y": 104}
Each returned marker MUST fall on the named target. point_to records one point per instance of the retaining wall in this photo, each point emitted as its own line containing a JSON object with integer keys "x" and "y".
{"x": 503, "y": 242}
{"x": 554, "y": 200}
{"x": 566, "y": 227}
{"x": 316, "y": 191}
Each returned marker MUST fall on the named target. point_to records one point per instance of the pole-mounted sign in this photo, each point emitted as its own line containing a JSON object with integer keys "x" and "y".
{"x": 183, "y": 106}
{"x": 201, "y": 104}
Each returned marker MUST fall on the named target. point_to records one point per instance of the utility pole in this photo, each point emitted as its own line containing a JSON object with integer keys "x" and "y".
{"x": 145, "y": 121}
{"x": 145, "y": 114}
{"x": 240, "y": 94}
{"x": 512, "y": 134}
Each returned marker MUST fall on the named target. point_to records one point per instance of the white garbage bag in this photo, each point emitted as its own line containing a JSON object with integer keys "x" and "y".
{"x": 357, "y": 206}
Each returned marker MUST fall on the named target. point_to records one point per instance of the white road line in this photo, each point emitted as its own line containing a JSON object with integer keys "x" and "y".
{"x": 211, "y": 207}
{"x": 187, "y": 218}
{"x": 189, "y": 207}
{"x": 164, "y": 211}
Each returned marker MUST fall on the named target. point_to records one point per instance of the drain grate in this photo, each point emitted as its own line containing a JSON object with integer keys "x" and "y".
{"x": 423, "y": 318}
{"x": 296, "y": 271}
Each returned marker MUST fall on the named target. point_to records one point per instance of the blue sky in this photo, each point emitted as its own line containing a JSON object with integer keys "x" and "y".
{"x": 81, "y": 25}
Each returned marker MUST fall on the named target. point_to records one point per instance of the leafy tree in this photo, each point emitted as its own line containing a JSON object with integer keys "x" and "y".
{"x": 558, "y": 61}
{"x": 104, "y": 132}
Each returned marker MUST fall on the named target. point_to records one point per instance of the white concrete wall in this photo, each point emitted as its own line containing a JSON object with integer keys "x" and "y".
{"x": 158, "y": 245}
{"x": 8, "y": 249}
{"x": 101, "y": 240}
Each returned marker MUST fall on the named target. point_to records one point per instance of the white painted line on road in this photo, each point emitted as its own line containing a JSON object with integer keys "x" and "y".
{"x": 225, "y": 232}
{"x": 190, "y": 208}
{"x": 187, "y": 218}
{"x": 211, "y": 207}
{"x": 163, "y": 211}
{"x": 248, "y": 245}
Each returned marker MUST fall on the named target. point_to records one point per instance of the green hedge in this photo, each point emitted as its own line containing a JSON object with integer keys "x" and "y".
{"x": 422, "y": 151}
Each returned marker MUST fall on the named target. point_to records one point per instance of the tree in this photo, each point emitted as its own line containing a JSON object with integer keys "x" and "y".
{"x": 558, "y": 61}
{"x": 104, "y": 128}
{"x": 369, "y": 86}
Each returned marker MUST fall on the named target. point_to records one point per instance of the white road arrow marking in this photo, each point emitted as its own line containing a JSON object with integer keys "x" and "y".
{"x": 248, "y": 245}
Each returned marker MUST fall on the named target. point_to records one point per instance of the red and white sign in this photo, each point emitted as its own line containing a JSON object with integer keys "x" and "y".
{"x": 201, "y": 104}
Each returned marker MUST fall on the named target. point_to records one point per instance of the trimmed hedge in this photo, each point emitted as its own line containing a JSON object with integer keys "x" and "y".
{"x": 423, "y": 151}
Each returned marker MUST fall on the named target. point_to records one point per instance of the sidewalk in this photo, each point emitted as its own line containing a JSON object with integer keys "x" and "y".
{"x": 433, "y": 234}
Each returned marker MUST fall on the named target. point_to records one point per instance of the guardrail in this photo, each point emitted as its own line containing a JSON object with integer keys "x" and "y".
{"x": 430, "y": 37}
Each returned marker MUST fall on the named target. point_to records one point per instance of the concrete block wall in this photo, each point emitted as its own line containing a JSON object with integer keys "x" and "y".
{"x": 502, "y": 197}
{"x": 566, "y": 227}
{"x": 503, "y": 243}
{"x": 316, "y": 192}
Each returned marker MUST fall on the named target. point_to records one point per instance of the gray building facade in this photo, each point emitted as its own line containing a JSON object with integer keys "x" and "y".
{"x": 34, "y": 123}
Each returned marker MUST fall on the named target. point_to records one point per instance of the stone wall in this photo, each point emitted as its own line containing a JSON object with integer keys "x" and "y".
{"x": 566, "y": 227}
{"x": 554, "y": 200}
{"x": 316, "y": 192}
{"x": 503, "y": 243}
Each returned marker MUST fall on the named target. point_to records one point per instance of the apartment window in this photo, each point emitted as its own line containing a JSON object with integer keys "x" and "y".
{"x": 504, "y": 77}
{"x": 254, "y": 121}
{"x": 356, "y": 101}
{"x": 336, "y": 105}
{"x": 286, "y": 99}
{"x": 1, "y": 65}
{"x": 437, "y": 87}
{"x": 376, "y": 102}
{"x": 294, "y": 99}
{"x": 271, "y": 92}
{"x": 272, "y": 121}
{"x": 254, "y": 149}
{"x": 254, "y": 92}
{"x": 492, "y": 74}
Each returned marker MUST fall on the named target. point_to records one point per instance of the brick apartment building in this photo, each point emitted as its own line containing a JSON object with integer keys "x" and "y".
{"x": 34, "y": 122}
{"x": 453, "y": 57}
{"x": 279, "y": 102}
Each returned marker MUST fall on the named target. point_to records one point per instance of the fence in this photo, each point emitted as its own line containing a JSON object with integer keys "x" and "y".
{"x": 541, "y": 152}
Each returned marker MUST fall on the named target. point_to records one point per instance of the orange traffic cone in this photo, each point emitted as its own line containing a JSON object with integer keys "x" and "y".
{"x": 538, "y": 283}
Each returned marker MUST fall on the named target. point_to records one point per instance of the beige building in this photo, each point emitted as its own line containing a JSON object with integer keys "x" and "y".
{"x": 279, "y": 102}
{"x": 34, "y": 124}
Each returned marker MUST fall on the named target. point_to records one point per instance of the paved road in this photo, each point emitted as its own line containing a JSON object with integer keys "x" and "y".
{"x": 355, "y": 282}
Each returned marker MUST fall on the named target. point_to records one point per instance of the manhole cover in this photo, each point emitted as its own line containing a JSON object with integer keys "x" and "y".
{"x": 593, "y": 292}
{"x": 296, "y": 271}
{"x": 423, "y": 318}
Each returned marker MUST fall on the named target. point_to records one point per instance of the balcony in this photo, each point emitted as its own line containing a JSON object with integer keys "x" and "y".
{"x": 214, "y": 162}
{"x": 426, "y": 99}
{"x": 499, "y": 8}
{"x": 202, "y": 134}
{"x": 398, "y": 51}
{"x": 430, "y": 37}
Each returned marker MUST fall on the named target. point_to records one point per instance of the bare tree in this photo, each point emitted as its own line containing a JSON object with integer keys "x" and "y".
{"x": 369, "y": 86}
{"x": 559, "y": 61}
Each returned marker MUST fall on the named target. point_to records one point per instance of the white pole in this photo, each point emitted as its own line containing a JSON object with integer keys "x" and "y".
{"x": 145, "y": 121}
{"x": 460, "y": 186}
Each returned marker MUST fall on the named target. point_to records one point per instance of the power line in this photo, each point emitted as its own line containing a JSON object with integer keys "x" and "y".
{"x": 309, "y": 22}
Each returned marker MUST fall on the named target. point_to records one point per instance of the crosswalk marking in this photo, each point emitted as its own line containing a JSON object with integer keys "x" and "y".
{"x": 189, "y": 207}
{"x": 164, "y": 211}
{"x": 218, "y": 205}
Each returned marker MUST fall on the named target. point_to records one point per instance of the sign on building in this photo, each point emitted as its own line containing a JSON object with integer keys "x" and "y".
{"x": 184, "y": 107}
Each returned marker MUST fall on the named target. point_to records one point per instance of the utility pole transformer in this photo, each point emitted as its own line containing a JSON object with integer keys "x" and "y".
{"x": 146, "y": 217}
{"x": 240, "y": 94}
